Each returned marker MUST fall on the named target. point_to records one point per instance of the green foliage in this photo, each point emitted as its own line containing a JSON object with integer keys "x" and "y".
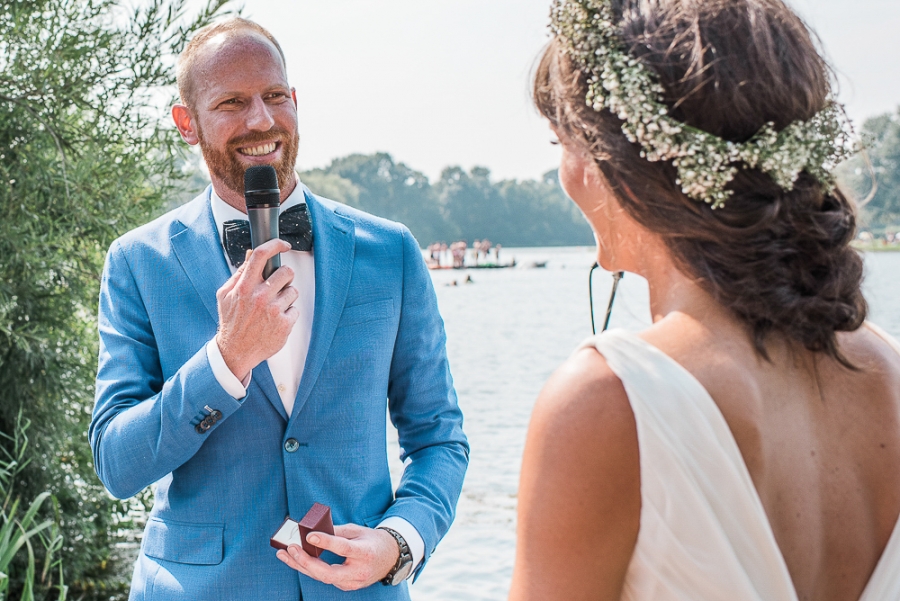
{"x": 511, "y": 212}
{"x": 84, "y": 157}
{"x": 882, "y": 137}
{"x": 461, "y": 205}
{"x": 333, "y": 186}
{"x": 392, "y": 190}
{"x": 18, "y": 532}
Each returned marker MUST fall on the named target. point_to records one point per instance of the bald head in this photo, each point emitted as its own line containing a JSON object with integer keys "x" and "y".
{"x": 235, "y": 36}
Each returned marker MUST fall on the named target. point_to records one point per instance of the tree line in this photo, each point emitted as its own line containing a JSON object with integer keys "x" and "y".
{"x": 460, "y": 205}
{"x": 877, "y": 169}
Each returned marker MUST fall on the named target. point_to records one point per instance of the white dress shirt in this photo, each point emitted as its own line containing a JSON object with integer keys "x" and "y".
{"x": 286, "y": 366}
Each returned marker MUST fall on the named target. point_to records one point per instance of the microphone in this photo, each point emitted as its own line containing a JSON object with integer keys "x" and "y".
{"x": 263, "y": 200}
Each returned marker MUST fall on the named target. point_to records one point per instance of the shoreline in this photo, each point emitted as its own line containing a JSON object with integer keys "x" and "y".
{"x": 875, "y": 246}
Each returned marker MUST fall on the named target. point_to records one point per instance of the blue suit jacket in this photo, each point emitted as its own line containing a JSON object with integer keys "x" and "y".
{"x": 377, "y": 341}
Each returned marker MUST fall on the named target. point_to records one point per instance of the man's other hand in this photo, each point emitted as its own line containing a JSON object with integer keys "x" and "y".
{"x": 370, "y": 555}
{"x": 256, "y": 315}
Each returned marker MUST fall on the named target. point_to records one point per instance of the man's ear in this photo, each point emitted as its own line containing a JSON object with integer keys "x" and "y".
{"x": 181, "y": 115}
{"x": 294, "y": 96}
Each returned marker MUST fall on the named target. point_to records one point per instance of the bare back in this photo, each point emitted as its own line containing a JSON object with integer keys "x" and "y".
{"x": 821, "y": 443}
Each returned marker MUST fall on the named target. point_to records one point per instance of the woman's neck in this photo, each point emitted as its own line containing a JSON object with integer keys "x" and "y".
{"x": 672, "y": 292}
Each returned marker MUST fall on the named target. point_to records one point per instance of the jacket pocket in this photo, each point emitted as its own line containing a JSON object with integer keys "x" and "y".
{"x": 196, "y": 544}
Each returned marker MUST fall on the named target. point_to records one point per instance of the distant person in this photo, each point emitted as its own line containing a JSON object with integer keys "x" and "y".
{"x": 247, "y": 400}
{"x": 746, "y": 446}
{"x": 458, "y": 251}
{"x": 486, "y": 249}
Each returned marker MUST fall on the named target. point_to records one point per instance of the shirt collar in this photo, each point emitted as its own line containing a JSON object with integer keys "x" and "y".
{"x": 222, "y": 211}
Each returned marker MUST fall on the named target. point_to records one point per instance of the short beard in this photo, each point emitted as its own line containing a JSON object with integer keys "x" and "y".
{"x": 225, "y": 166}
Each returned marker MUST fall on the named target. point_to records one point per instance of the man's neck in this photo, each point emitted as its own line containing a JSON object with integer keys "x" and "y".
{"x": 236, "y": 199}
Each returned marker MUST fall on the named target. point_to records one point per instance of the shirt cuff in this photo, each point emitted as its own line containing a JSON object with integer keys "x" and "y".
{"x": 224, "y": 376}
{"x": 411, "y": 535}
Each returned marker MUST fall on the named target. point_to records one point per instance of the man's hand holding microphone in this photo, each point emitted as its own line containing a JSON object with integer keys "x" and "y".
{"x": 256, "y": 315}
{"x": 256, "y": 312}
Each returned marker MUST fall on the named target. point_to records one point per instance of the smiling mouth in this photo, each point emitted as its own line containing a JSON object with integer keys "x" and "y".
{"x": 258, "y": 151}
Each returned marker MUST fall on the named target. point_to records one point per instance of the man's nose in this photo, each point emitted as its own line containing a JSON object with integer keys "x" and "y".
{"x": 259, "y": 118}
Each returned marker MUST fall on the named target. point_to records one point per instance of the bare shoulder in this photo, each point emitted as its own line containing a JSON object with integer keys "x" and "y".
{"x": 871, "y": 348}
{"x": 583, "y": 398}
{"x": 579, "y": 495}
{"x": 877, "y": 377}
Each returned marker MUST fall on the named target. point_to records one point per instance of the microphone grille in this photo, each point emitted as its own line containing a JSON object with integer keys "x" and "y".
{"x": 260, "y": 178}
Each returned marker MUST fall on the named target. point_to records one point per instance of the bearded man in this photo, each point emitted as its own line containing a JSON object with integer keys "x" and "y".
{"x": 248, "y": 399}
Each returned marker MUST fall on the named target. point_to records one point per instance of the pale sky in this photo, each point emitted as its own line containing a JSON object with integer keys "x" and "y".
{"x": 438, "y": 82}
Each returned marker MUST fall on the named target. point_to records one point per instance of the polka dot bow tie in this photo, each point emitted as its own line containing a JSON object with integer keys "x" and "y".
{"x": 293, "y": 227}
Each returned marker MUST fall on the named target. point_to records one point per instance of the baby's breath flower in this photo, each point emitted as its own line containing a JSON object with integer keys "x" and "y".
{"x": 706, "y": 163}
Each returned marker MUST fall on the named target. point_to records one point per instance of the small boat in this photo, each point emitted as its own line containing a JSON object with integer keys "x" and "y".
{"x": 478, "y": 266}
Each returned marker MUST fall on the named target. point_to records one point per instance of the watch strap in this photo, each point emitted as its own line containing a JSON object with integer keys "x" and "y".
{"x": 403, "y": 560}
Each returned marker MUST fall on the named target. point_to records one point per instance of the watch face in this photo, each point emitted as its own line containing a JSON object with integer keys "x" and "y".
{"x": 403, "y": 573}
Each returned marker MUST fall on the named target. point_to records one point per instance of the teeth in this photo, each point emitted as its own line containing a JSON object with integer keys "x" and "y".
{"x": 256, "y": 151}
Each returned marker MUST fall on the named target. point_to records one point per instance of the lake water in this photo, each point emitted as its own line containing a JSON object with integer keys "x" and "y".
{"x": 507, "y": 331}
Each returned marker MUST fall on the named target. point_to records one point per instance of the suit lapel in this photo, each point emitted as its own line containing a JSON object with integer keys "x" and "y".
{"x": 334, "y": 244}
{"x": 201, "y": 256}
{"x": 262, "y": 379}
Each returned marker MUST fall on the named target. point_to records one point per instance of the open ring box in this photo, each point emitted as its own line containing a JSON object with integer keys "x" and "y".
{"x": 317, "y": 519}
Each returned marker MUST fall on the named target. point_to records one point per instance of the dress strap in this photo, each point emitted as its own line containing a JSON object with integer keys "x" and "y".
{"x": 699, "y": 507}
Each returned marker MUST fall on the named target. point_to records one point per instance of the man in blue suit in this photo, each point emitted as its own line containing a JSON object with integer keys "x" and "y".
{"x": 247, "y": 399}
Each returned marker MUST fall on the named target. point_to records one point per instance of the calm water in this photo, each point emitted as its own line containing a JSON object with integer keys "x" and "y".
{"x": 507, "y": 332}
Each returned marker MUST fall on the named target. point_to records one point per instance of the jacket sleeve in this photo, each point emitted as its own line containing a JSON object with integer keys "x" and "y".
{"x": 423, "y": 407}
{"x": 144, "y": 426}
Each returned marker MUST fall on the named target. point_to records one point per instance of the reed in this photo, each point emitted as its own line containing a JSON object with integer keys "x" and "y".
{"x": 20, "y": 530}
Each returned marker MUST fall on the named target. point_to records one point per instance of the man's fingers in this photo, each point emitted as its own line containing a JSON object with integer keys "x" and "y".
{"x": 293, "y": 314}
{"x": 262, "y": 253}
{"x": 289, "y": 558}
{"x": 283, "y": 276}
{"x": 336, "y": 544}
{"x": 362, "y": 565}
{"x": 313, "y": 567}
{"x": 231, "y": 282}
{"x": 350, "y": 531}
{"x": 287, "y": 296}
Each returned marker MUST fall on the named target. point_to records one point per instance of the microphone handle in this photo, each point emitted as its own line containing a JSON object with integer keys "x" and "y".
{"x": 264, "y": 227}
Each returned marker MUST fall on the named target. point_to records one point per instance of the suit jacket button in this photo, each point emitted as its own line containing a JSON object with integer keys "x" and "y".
{"x": 203, "y": 426}
{"x": 291, "y": 445}
{"x": 216, "y": 415}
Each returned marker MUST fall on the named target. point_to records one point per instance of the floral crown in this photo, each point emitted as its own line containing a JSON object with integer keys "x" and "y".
{"x": 620, "y": 83}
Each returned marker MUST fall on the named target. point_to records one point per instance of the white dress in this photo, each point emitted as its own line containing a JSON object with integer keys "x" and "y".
{"x": 704, "y": 535}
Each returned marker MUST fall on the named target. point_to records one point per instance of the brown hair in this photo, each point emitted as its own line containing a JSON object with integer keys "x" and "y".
{"x": 188, "y": 57}
{"x": 781, "y": 261}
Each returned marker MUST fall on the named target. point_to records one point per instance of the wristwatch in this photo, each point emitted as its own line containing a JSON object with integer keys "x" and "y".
{"x": 403, "y": 567}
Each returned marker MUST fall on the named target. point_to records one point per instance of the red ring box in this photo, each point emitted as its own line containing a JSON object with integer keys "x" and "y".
{"x": 317, "y": 519}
